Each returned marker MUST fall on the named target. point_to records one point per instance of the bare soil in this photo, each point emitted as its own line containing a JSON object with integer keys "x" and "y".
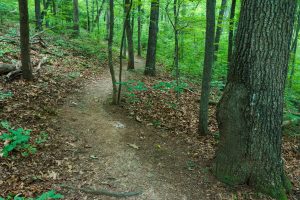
{"x": 119, "y": 154}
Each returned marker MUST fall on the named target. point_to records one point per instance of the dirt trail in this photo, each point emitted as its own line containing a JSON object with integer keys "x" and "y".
{"x": 119, "y": 154}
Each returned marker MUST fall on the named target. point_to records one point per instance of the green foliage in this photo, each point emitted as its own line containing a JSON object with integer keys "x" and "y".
{"x": 218, "y": 84}
{"x": 4, "y": 95}
{"x": 292, "y": 105}
{"x": 42, "y": 138}
{"x": 19, "y": 140}
{"x": 74, "y": 75}
{"x": 166, "y": 86}
{"x": 132, "y": 87}
{"x": 45, "y": 196}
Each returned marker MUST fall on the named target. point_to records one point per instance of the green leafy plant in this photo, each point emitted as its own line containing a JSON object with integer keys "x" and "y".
{"x": 166, "y": 86}
{"x": 4, "y": 95}
{"x": 45, "y": 196}
{"x": 16, "y": 139}
{"x": 19, "y": 139}
{"x": 43, "y": 137}
{"x": 132, "y": 87}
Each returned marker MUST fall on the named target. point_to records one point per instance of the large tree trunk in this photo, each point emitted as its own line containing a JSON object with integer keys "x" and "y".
{"x": 231, "y": 30}
{"x": 152, "y": 39}
{"x": 129, "y": 38}
{"x": 37, "y": 6}
{"x": 208, "y": 64}
{"x": 251, "y": 109}
{"x": 219, "y": 27}
{"x": 24, "y": 39}
{"x": 110, "y": 44}
{"x": 139, "y": 47}
{"x": 76, "y": 17}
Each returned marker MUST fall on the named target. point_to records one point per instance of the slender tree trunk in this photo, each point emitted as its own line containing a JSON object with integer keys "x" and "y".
{"x": 54, "y": 7}
{"x": 97, "y": 20}
{"x": 88, "y": 16}
{"x": 93, "y": 13}
{"x": 139, "y": 28}
{"x": 129, "y": 34}
{"x": 46, "y": 4}
{"x": 231, "y": 29}
{"x": 76, "y": 17}
{"x": 38, "y": 19}
{"x": 219, "y": 27}
{"x": 251, "y": 109}
{"x": 208, "y": 65}
{"x": 127, "y": 16}
{"x": 110, "y": 44}
{"x": 99, "y": 11}
{"x": 107, "y": 24}
{"x": 152, "y": 39}
{"x": 125, "y": 47}
{"x": 176, "y": 42}
{"x": 24, "y": 38}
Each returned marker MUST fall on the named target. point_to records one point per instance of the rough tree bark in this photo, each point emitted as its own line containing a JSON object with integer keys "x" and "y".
{"x": 231, "y": 29}
{"x": 38, "y": 19}
{"x": 129, "y": 35}
{"x": 24, "y": 39}
{"x": 76, "y": 17}
{"x": 152, "y": 39}
{"x": 251, "y": 109}
{"x": 110, "y": 44}
{"x": 219, "y": 27}
{"x": 208, "y": 65}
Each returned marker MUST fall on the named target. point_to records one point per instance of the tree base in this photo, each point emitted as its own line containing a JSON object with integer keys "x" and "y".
{"x": 275, "y": 184}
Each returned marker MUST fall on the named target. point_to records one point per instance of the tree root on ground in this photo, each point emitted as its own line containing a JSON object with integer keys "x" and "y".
{"x": 103, "y": 192}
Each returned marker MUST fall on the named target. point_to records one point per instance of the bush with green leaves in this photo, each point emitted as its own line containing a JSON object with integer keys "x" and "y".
{"x": 45, "y": 196}
{"x": 18, "y": 140}
{"x": 131, "y": 87}
{"x": 4, "y": 95}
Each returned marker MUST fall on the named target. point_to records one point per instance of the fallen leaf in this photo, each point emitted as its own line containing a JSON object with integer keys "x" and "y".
{"x": 133, "y": 146}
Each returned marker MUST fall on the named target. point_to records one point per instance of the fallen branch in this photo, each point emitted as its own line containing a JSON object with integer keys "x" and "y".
{"x": 14, "y": 71}
{"x": 103, "y": 192}
{"x": 42, "y": 61}
{"x": 6, "y": 68}
{"x": 13, "y": 75}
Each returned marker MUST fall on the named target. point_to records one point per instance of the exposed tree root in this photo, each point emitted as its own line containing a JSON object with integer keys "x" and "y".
{"x": 103, "y": 192}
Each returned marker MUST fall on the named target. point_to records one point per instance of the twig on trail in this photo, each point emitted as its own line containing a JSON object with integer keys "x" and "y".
{"x": 103, "y": 192}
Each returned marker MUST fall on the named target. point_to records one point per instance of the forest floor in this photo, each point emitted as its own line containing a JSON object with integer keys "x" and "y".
{"x": 148, "y": 146}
